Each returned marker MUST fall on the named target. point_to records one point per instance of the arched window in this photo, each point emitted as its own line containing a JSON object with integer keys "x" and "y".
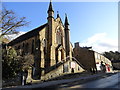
{"x": 44, "y": 43}
{"x": 23, "y": 51}
{"x": 45, "y": 46}
{"x": 23, "y": 45}
{"x": 33, "y": 46}
{"x": 37, "y": 44}
{"x": 27, "y": 47}
{"x": 59, "y": 37}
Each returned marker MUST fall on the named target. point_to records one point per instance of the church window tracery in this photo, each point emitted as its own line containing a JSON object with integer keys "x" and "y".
{"x": 59, "y": 37}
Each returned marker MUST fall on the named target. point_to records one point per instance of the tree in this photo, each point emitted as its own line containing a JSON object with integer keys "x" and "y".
{"x": 112, "y": 55}
{"x": 10, "y": 22}
{"x": 28, "y": 62}
{"x": 13, "y": 64}
{"x": 9, "y": 63}
{"x": 25, "y": 62}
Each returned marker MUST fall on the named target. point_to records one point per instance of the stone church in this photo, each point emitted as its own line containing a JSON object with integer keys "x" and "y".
{"x": 50, "y": 47}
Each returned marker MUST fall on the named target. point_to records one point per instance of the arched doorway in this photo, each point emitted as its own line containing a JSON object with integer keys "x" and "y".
{"x": 60, "y": 53}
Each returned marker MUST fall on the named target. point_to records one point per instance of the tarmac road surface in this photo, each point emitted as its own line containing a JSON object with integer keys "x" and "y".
{"x": 112, "y": 81}
{"x": 107, "y": 82}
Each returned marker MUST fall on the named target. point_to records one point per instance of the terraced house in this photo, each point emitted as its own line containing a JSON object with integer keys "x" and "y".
{"x": 50, "y": 47}
{"x": 92, "y": 60}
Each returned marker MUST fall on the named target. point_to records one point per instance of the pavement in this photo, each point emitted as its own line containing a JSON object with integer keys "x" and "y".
{"x": 63, "y": 81}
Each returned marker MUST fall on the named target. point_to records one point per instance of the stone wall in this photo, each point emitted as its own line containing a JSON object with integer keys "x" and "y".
{"x": 60, "y": 70}
{"x": 85, "y": 57}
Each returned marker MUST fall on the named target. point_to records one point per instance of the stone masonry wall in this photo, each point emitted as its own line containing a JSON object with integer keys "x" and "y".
{"x": 60, "y": 71}
{"x": 85, "y": 57}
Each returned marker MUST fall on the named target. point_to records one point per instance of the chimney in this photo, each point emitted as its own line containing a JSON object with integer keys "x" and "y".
{"x": 76, "y": 44}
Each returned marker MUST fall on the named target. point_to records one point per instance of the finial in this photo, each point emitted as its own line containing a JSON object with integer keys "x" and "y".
{"x": 65, "y": 15}
{"x": 58, "y": 14}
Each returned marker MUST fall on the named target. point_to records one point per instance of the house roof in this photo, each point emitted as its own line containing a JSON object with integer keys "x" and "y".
{"x": 27, "y": 35}
{"x": 115, "y": 61}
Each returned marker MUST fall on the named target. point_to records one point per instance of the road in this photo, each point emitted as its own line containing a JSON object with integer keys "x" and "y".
{"x": 112, "y": 81}
{"x": 107, "y": 82}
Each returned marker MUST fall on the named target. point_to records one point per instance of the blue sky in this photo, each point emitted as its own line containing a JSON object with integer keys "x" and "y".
{"x": 91, "y": 23}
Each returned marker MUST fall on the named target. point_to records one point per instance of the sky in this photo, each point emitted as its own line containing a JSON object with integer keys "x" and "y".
{"x": 91, "y": 23}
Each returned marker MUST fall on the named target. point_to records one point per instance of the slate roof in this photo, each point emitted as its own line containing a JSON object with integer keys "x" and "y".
{"x": 115, "y": 61}
{"x": 27, "y": 35}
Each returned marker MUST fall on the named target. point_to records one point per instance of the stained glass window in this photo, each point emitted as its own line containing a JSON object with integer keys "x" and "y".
{"x": 59, "y": 37}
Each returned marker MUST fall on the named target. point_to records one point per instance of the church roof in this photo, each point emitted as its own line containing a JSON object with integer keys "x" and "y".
{"x": 27, "y": 35}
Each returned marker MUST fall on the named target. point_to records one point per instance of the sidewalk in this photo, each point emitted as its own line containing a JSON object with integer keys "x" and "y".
{"x": 57, "y": 82}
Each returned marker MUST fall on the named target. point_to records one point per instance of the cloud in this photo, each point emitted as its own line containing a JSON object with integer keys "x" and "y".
{"x": 13, "y": 36}
{"x": 101, "y": 43}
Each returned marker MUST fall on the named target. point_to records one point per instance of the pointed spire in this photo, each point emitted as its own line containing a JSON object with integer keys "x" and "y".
{"x": 58, "y": 14}
{"x": 66, "y": 20}
{"x": 50, "y": 6}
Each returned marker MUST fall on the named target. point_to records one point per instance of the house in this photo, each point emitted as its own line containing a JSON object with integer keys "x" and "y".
{"x": 116, "y": 64}
{"x": 91, "y": 60}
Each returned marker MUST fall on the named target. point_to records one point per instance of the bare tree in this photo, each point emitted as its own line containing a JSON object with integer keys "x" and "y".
{"x": 10, "y": 22}
{"x": 27, "y": 62}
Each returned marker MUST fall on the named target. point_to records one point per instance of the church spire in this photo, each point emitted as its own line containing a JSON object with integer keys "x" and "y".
{"x": 50, "y": 6}
{"x": 66, "y": 20}
{"x": 50, "y": 10}
{"x": 67, "y": 36}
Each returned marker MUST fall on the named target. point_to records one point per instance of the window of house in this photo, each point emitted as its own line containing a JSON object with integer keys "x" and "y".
{"x": 96, "y": 56}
